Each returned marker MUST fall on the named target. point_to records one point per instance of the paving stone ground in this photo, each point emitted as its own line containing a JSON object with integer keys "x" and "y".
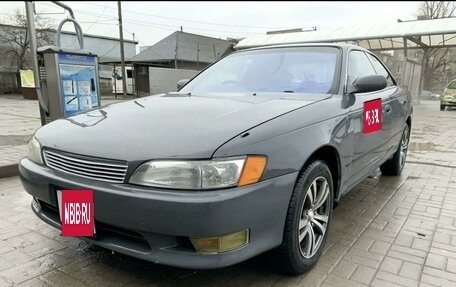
{"x": 19, "y": 118}
{"x": 387, "y": 231}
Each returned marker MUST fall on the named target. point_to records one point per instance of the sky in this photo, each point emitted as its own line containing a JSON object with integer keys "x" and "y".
{"x": 152, "y": 21}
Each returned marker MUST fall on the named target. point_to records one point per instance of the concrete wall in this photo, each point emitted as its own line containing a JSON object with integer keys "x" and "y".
{"x": 7, "y": 83}
{"x": 163, "y": 80}
{"x": 186, "y": 65}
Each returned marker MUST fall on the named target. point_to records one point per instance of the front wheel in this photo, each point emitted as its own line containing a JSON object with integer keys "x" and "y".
{"x": 307, "y": 220}
{"x": 395, "y": 165}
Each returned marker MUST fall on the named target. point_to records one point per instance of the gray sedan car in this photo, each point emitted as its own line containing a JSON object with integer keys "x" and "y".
{"x": 249, "y": 156}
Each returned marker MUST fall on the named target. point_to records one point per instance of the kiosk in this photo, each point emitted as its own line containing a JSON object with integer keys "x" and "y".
{"x": 69, "y": 79}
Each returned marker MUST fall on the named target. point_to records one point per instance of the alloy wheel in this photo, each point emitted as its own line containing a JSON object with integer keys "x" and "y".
{"x": 314, "y": 217}
{"x": 404, "y": 146}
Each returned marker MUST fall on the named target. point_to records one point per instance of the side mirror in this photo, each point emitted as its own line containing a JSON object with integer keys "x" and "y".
{"x": 182, "y": 83}
{"x": 368, "y": 84}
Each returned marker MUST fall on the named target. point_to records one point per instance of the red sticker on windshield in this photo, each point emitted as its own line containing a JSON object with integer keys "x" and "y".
{"x": 77, "y": 213}
{"x": 372, "y": 116}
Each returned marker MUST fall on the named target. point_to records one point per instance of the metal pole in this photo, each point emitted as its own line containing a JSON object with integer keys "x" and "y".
{"x": 122, "y": 55}
{"x": 404, "y": 67}
{"x": 197, "y": 55}
{"x": 64, "y": 6}
{"x": 32, "y": 40}
{"x": 175, "y": 51}
{"x": 423, "y": 66}
{"x": 115, "y": 81}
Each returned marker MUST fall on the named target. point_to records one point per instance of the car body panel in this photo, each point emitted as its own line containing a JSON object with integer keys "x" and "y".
{"x": 166, "y": 126}
{"x": 164, "y": 220}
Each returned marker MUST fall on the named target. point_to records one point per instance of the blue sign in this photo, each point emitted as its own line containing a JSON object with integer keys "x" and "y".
{"x": 76, "y": 59}
{"x": 78, "y": 81}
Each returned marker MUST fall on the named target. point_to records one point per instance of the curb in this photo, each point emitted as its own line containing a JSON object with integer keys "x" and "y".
{"x": 9, "y": 170}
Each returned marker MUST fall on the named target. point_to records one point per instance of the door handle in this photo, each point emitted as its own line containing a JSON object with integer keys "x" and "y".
{"x": 387, "y": 109}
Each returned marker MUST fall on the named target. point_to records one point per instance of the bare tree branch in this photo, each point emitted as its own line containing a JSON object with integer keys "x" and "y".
{"x": 17, "y": 38}
{"x": 437, "y": 58}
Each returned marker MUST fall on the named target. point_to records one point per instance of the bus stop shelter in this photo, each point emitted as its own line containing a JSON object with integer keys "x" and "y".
{"x": 403, "y": 35}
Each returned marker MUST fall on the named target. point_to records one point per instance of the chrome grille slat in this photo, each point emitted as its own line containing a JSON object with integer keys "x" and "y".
{"x": 79, "y": 169}
{"x": 85, "y": 161}
{"x": 87, "y": 167}
{"x": 99, "y": 177}
{"x": 49, "y": 156}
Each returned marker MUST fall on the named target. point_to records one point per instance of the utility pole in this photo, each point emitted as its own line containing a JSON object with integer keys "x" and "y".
{"x": 29, "y": 9}
{"x": 175, "y": 51}
{"x": 197, "y": 55}
{"x": 122, "y": 55}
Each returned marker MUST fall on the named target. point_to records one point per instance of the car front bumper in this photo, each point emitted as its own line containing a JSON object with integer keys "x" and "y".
{"x": 156, "y": 224}
{"x": 448, "y": 102}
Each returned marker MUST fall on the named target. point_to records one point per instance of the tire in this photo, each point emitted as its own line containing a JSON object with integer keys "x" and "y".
{"x": 395, "y": 165}
{"x": 306, "y": 221}
{"x": 442, "y": 107}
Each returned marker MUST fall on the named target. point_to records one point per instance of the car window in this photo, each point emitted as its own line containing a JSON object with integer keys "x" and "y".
{"x": 292, "y": 70}
{"x": 452, "y": 85}
{"x": 380, "y": 69}
{"x": 359, "y": 66}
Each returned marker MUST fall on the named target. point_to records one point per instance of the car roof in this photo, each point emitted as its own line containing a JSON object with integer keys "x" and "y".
{"x": 316, "y": 44}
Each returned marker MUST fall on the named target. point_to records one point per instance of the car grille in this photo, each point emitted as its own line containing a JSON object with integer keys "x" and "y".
{"x": 89, "y": 167}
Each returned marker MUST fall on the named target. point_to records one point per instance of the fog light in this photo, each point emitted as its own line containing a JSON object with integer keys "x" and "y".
{"x": 221, "y": 243}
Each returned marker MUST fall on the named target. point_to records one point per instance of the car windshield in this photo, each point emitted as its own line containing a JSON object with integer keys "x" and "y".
{"x": 452, "y": 85}
{"x": 288, "y": 70}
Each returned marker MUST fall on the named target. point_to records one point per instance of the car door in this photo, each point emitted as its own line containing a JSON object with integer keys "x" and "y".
{"x": 369, "y": 148}
{"x": 397, "y": 102}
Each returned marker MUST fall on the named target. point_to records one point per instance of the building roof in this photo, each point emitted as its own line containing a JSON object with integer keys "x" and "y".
{"x": 187, "y": 44}
{"x": 74, "y": 33}
{"x": 417, "y": 34}
{"x": 99, "y": 37}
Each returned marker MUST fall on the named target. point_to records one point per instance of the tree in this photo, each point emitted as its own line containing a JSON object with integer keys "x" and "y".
{"x": 15, "y": 40}
{"x": 436, "y": 59}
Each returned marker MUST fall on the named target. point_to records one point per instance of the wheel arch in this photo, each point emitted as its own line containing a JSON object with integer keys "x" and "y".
{"x": 331, "y": 157}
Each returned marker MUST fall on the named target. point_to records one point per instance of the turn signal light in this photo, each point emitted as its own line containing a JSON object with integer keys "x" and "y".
{"x": 253, "y": 170}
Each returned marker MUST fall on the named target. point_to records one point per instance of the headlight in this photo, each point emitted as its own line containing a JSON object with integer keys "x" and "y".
{"x": 34, "y": 151}
{"x": 207, "y": 174}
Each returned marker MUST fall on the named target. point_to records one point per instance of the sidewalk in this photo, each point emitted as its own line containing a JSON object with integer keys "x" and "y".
{"x": 19, "y": 119}
{"x": 433, "y": 135}
{"x": 387, "y": 231}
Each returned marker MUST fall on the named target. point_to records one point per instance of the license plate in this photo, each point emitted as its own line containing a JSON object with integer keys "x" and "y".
{"x": 79, "y": 213}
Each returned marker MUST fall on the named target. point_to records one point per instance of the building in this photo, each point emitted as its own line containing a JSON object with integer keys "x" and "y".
{"x": 182, "y": 50}
{"x": 106, "y": 48}
{"x": 158, "y": 67}
{"x": 394, "y": 61}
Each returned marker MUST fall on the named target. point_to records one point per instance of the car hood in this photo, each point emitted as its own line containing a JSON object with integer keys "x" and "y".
{"x": 166, "y": 126}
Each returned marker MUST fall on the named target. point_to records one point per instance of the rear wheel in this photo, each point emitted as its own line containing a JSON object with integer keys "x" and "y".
{"x": 307, "y": 220}
{"x": 395, "y": 165}
{"x": 442, "y": 107}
